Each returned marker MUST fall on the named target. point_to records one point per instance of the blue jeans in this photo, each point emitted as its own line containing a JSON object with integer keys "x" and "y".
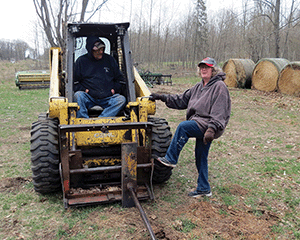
{"x": 184, "y": 131}
{"x": 111, "y": 105}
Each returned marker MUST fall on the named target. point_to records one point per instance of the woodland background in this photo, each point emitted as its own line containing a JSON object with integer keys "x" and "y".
{"x": 258, "y": 29}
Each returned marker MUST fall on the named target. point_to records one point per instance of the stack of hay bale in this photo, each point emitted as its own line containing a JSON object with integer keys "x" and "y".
{"x": 268, "y": 74}
{"x": 289, "y": 79}
{"x": 238, "y": 72}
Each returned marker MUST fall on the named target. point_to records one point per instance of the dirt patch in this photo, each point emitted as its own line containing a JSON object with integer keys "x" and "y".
{"x": 229, "y": 223}
{"x": 13, "y": 184}
{"x": 210, "y": 220}
{"x": 131, "y": 224}
{"x": 236, "y": 189}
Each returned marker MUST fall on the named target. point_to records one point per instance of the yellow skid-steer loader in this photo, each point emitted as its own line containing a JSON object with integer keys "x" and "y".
{"x": 98, "y": 160}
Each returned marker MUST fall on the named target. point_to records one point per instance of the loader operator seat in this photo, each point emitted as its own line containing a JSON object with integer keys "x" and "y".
{"x": 95, "y": 111}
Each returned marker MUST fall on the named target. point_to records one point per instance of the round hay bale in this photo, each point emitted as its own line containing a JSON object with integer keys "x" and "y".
{"x": 266, "y": 73}
{"x": 238, "y": 72}
{"x": 289, "y": 79}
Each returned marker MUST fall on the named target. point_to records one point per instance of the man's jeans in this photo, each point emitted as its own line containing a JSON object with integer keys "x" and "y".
{"x": 184, "y": 131}
{"x": 111, "y": 105}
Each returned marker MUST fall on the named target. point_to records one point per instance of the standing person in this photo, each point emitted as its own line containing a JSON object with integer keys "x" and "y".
{"x": 97, "y": 81}
{"x": 208, "y": 107}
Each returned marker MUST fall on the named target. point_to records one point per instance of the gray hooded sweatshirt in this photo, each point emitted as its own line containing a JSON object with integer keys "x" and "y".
{"x": 209, "y": 106}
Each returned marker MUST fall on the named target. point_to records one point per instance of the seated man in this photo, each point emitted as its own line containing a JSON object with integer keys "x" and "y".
{"x": 97, "y": 81}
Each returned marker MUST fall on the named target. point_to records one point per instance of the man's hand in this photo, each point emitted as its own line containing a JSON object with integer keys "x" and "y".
{"x": 87, "y": 91}
{"x": 209, "y": 135}
{"x": 113, "y": 91}
{"x": 156, "y": 96}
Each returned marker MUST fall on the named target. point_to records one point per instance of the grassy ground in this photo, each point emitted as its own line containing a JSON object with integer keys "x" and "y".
{"x": 254, "y": 171}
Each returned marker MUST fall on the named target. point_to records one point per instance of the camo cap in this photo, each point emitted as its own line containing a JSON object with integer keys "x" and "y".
{"x": 98, "y": 45}
{"x": 208, "y": 62}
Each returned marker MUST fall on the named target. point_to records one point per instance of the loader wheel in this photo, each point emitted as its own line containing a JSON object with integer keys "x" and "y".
{"x": 45, "y": 155}
{"x": 161, "y": 139}
{"x": 43, "y": 116}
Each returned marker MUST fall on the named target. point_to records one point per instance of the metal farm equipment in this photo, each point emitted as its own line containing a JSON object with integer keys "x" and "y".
{"x": 33, "y": 79}
{"x": 156, "y": 78}
{"x": 98, "y": 160}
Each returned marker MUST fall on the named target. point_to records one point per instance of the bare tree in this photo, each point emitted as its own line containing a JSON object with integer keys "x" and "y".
{"x": 15, "y": 49}
{"x": 288, "y": 25}
{"x": 201, "y": 34}
{"x": 150, "y": 31}
{"x": 54, "y": 15}
{"x": 83, "y": 9}
{"x": 272, "y": 12}
{"x": 276, "y": 27}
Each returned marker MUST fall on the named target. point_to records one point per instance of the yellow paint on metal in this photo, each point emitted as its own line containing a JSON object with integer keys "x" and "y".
{"x": 141, "y": 88}
{"x": 132, "y": 164}
{"x": 102, "y": 162}
{"x": 94, "y": 138}
{"x": 143, "y": 91}
{"x": 33, "y": 78}
{"x": 132, "y": 104}
{"x": 73, "y": 107}
{"x": 134, "y": 118}
{"x": 54, "y": 72}
{"x": 150, "y": 105}
{"x": 58, "y": 108}
{"x": 66, "y": 112}
{"x": 143, "y": 118}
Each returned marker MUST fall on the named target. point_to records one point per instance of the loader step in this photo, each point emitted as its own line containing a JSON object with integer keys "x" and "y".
{"x": 80, "y": 197}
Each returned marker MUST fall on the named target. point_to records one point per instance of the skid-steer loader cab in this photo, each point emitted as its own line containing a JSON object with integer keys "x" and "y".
{"x": 115, "y": 37}
{"x": 98, "y": 160}
{"x": 80, "y": 50}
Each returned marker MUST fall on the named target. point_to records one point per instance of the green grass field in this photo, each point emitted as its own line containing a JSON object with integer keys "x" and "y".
{"x": 254, "y": 171}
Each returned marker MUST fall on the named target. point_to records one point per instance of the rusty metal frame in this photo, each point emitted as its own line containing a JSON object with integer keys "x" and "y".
{"x": 129, "y": 159}
{"x": 105, "y": 127}
{"x": 129, "y": 172}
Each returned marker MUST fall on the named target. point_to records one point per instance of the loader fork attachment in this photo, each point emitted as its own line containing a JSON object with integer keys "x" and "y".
{"x": 132, "y": 163}
{"x": 129, "y": 172}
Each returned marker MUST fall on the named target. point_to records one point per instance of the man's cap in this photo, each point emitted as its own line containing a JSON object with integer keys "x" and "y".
{"x": 98, "y": 45}
{"x": 208, "y": 61}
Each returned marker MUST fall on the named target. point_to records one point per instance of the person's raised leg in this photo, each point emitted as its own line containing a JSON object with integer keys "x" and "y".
{"x": 184, "y": 131}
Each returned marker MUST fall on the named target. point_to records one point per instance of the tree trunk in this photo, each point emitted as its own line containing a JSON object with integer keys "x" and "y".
{"x": 276, "y": 28}
{"x": 83, "y": 9}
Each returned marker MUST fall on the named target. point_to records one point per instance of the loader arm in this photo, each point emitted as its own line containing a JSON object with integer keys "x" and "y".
{"x": 59, "y": 106}
{"x": 141, "y": 88}
{"x": 55, "y": 62}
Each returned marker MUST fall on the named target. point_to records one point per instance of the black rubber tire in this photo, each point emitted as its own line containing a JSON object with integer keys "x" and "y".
{"x": 44, "y": 150}
{"x": 43, "y": 116}
{"x": 161, "y": 139}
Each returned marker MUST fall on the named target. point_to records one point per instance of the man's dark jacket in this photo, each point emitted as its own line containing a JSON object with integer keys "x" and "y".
{"x": 98, "y": 76}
